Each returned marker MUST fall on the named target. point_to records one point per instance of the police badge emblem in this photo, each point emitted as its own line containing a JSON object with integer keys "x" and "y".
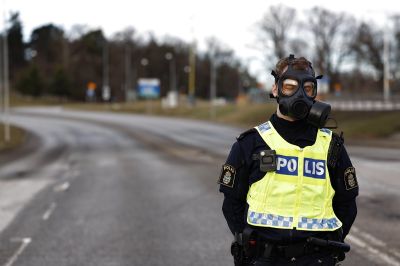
{"x": 227, "y": 177}
{"x": 350, "y": 179}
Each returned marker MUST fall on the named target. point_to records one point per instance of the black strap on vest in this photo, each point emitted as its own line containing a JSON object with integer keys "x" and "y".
{"x": 335, "y": 149}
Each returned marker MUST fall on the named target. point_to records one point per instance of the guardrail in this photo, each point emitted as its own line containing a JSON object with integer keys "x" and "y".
{"x": 364, "y": 105}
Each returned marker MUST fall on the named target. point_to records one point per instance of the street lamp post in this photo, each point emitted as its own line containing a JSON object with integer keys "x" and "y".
{"x": 149, "y": 105}
{"x": 106, "y": 92}
{"x": 172, "y": 96}
{"x": 1, "y": 77}
{"x": 386, "y": 66}
{"x": 172, "y": 71}
{"x": 6, "y": 85}
{"x": 213, "y": 87}
{"x": 128, "y": 70}
{"x": 144, "y": 62}
{"x": 192, "y": 74}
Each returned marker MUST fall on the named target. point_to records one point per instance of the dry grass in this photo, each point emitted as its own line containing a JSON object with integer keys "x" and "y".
{"x": 356, "y": 125}
{"x": 17, "y": 137}
{"x": 364, "y": 125}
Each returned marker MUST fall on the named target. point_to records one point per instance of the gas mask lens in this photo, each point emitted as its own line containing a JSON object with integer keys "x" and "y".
{"x": 310, "y": 89}
{"x": 289, "y": 87}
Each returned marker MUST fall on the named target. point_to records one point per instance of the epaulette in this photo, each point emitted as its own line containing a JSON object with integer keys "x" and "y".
{"x": 335, "y": 149}
{"x": 247, "y": 132}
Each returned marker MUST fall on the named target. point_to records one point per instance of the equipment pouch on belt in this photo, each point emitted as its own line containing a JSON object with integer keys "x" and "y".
{"x": 244, "y": 247}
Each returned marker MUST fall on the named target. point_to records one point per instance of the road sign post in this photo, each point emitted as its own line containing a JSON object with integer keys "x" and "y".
{"x": 149, "y": 89}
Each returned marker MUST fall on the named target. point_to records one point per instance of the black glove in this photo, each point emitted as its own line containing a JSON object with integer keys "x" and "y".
{"x": 237, "y": 253}
{"x": 341, "y": 256}
{"x": 239, "y": 256}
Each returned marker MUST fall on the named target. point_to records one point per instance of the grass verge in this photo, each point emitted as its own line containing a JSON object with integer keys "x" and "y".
{"x": 357, "y": 125}
{"x": 17, "y": 137}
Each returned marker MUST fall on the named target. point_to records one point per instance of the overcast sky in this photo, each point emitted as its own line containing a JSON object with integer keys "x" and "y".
{"x": 231, "y": 21}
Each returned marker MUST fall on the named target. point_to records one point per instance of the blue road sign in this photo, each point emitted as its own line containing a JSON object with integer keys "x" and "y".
{"x": 149, "y": 88}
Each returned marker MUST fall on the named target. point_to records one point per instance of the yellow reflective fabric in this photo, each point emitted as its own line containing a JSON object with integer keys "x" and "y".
{"x": 299, "y": 193}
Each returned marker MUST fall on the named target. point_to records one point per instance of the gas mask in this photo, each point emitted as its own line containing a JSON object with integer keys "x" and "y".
{"x": 297, "y": 90}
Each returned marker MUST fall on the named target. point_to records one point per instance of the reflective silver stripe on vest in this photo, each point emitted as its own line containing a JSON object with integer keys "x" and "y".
{"x": 312, "y": 223}
{"x": 264, "y": 127}
{"x": 325, "y": 130}
{"x": 270, "y": 219}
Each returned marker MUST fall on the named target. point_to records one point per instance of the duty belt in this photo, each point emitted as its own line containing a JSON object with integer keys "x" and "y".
{"x": 268, "y": 250}
{"x": 255, "y": 246}
{"x": 311, "y": 246}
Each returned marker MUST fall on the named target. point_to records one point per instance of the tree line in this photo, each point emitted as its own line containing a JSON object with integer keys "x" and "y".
{"x": 347, "y": 50}
{"x": 62, "y": 64}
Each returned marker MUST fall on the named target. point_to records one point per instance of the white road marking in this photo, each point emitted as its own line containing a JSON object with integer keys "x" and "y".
{"x": 373, "y": 253}
{"x": 62, "y": 187}
{"x": 369, "y": 237}
{"x": 25, "y": 243}
{"x": 395, "y": 252}
{"x": 49, "y": 211}
{"x": 15, "y": 194}
{"x": 375, "y": 241}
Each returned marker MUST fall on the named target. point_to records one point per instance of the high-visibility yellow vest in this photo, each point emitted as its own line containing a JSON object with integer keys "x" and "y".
{"x": 298, "y": 195}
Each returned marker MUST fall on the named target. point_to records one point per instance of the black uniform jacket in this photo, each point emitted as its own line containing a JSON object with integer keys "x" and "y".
{"x": 246, "y": 172}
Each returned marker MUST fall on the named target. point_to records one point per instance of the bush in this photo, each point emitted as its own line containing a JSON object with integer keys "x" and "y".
{"x": 60, "y": 84}
{"x": 31, "y": 82}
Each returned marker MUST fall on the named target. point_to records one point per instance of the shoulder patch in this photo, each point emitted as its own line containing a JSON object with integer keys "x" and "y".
{"x": 350, "y": 179}
{"x": 247, "y": 132}
{"x": 227, "y": 176}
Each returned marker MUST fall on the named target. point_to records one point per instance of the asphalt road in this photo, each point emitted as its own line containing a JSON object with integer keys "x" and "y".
{"x": 113, "y": 189}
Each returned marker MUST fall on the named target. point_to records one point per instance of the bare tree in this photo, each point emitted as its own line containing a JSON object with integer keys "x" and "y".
{"x": 368, "y": 48}
{"x": 218, "y": 51}
{"x": 298, "y": 46}
{"x": 126, "y": 35}
{"x": 396, "y": 48}
{"x": 332, "y": 38}
{"x": 77, "y": 31}
{"x": 218, "y": 54}
{"x": 274, "y": 30}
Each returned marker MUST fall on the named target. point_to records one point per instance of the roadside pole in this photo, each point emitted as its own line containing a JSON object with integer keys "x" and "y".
{"x": 106, "y": 90}
{"x": 192, "y": 74}
{"x": 213, "y": 87}
{"x": 1, "y": 76}
{"x": 192, "y": 66}
{"x": 127, "y": 70}
{"x": 6, "y": 84}
{"x": 386, "y": 65}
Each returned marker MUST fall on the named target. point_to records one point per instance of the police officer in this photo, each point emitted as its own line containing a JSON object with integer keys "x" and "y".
{"x": 289, "y": 186}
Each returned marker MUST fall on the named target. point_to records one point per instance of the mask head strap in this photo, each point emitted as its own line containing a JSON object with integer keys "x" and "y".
{"x": 276, "y": 76}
